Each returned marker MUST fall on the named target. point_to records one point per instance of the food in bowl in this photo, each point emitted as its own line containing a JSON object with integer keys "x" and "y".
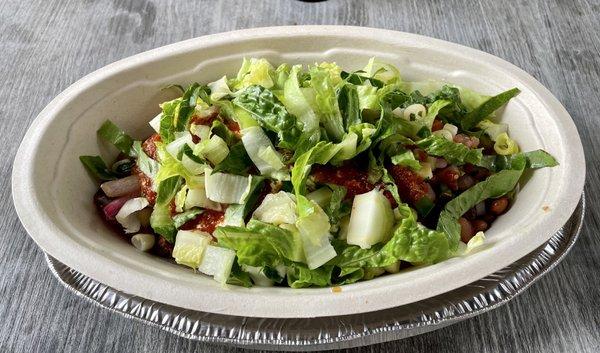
{"x": 313, "y": 176}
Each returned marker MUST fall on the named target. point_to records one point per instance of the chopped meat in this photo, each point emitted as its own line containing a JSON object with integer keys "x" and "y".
{"x": 353, "y": 179}
{"x": 145, "y": 185}
{"x": 149, "y": 146}
{"x": 163, "y": 247}
{"x": 411, "y": 186}
{"x": 207, "y": 221}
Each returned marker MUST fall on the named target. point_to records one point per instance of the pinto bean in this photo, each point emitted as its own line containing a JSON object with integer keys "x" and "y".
{"x": 489, "y": 218}
{"x": 499, "y": 205}
{"x": 479, "y": 225}
{"x": 465, "y": 182}
{"x": 466, "y": 230}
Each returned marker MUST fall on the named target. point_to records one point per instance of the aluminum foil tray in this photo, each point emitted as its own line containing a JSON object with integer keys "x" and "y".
{"x": 338, "y": 331}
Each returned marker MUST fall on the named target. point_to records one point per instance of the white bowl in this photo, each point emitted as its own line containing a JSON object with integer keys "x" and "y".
{"x": 53, "y": 193}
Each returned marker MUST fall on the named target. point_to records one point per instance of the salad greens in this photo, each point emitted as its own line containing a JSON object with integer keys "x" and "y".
{"x": 312, "y": 176}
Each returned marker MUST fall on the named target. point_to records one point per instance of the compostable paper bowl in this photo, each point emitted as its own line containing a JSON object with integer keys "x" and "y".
{"x": 53, "y": 193}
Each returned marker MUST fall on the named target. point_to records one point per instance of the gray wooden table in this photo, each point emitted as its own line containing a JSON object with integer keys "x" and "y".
{"x": 45, "y": 45}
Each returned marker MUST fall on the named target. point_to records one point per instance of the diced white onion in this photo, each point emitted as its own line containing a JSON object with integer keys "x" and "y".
{"x": 443, "y": 133}
{"x": 155, "y": 122}
{"x": 226, "y": 188}
{"x": 416, "y": 110}
{"x": 127, "y": 217}
{"x": 143, "y": 241}
{"x": 197, "y": 198}
{"x": 371, "y": 219}
{"x": 452, "y": 128}
{"x": 277, "y": 208}
{"x": 189, "y": 247}
{"x": 217, "y": 262}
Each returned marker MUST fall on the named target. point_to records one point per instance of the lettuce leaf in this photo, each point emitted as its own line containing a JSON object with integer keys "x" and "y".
{"x": 488, "y": 107}
{"x": 254, "y": 72}
{"x": 533, "y": 159}
{"x": 238, "y": 277}
{"x": 297, "y": 103}
{"x": 300, "y": 276}
{"x": 113, "y": 134}
{"x": 326, "y": 103}
{"x": 237, "y": 161}
{"x": 406, "y": 159}
{"x": 97, "y": 168}
{"x": 182, "y": 218}
{"x": 261, "y": 244}
{"x": 454, "y": 153}
{"x": 349, "y": 106}
{"x": 170, "y": 166}
{"x": 162, "y": 223}
{"x": 411, "y": 242}
{"x": 270, "y": 114}
{"x": 176, "y": 113}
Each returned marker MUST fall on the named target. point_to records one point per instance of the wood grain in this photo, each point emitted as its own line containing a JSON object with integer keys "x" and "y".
{"x": 47, "y": 45}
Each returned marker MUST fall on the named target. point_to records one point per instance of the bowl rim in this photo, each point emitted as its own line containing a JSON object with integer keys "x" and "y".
{"x": 364, "y": 296}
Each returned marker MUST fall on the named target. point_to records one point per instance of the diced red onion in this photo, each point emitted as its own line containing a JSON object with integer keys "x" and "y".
{"x": 113, "y": 207}
{"x": 125, "y": 186}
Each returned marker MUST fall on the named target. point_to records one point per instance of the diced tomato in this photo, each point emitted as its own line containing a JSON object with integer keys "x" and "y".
{"x": 149, "y": 146}
{"x": 145, "y": 185}
{"x": 437, "y": 125}
{"x": 411, "y": 186}
{"x": 207, "y": 221}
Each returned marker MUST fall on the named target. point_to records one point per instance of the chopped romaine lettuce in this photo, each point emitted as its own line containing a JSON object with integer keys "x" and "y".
{"x": 371, "y": 220}
{"x": 217, "y": 262}
{"x": 277, "y": 209}
{"x": 190, "y": 247}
